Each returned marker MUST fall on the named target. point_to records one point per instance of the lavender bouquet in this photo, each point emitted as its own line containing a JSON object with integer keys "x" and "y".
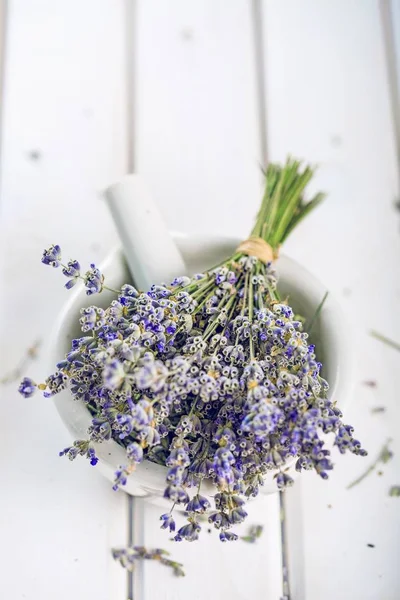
{"x": 212, "y": 376}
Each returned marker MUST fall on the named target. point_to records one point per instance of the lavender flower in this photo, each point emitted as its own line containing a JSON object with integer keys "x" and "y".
{"x": 100, "y": 430}
{"x": 176, "y": 493}
{"x": 27, "y": 387}
{"x": 56, "y": 383}
{"x": 228, "y": 536}
{"x": 134, "y": 452}
{"x": 198, "y": 504}
{"x": 113, "y": 374}
{"x": 81, "y": 448}
{"x": 283, "y": 481}
{"x": 121, "y": 476}
{"x": 93, "y": 280}
{"x": 189, "y": 532}
{"x": 92, "y": 318}
{"x": 72, "y": 270}
{"x": 52, "y": 256}
{"x": 167, "y": 522}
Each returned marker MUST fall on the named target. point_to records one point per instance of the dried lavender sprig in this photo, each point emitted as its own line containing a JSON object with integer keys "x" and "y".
{"x": 127, "y": 557}
{"x": 253, "y": 535}
{"x": 93, "y": 278}
{"x": 385, "y": 340}
{"x": 30, "y": 354}
{"x": 384, "y": 456}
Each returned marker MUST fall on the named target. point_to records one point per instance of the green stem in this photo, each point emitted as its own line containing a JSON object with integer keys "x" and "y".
{"x": 316, "y": 314}
{"x": 385, "y": 340}
{"x": 214, "y": 324}
{"x": 283, "y": 205}
{"x": 203, "y": 302}
{"x": 384, "y": 456}
{"x": 103, "y": 287}
{"x": 246, "y": 283}
{"x": 203, "y": 288}
{"x": 251, "y": 312}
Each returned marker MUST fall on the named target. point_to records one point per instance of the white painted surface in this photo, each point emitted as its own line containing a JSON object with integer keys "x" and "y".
{"x": 328, "y": 101}
{"x": 198, "y": 145}
{"x": 63, "y": 99}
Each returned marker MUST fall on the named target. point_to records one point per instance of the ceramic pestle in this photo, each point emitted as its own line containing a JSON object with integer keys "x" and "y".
{"x": 150, "y": 252}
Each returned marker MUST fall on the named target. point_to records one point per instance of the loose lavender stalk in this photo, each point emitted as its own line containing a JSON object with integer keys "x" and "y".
{"x": 212, "y": 376}
{"x": 128, "y": 557}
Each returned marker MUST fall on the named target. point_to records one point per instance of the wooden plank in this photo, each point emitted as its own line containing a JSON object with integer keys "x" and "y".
{"x": 390, "y": 24}
{"x": 328, "y": 101}
{"x": 62, "y": 141}
{"x": 236, "y": 570}
{"x": 199, "y": 147}
{"x": 3, "y": 32}
{"x": 197, "y": 123}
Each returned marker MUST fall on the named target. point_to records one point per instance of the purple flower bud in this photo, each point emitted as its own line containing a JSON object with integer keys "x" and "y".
{"x": 52, "y": 256}
{"x": 189, "y": 532}
{"x": 94, "y": 280}
{"x": 167, "y": 522}
{"x": 283, "y": 480}
{"x": 228, "y": 536}
{"x": 113, "y": 375}
{"x": 27, "y": 387}
{"x": 72, "y": 270}
{"x": 198, "y": 504}
{"x": 121, "y": 477}
{"x": 134, "y": 452}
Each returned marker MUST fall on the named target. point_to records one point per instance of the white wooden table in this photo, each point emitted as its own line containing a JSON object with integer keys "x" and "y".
{"x": 198, "y": 142}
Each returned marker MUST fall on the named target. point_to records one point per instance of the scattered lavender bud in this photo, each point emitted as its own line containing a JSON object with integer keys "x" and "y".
{"x": 255, "y": 532}
{"x": 27, "y": 387}
{"x": 370, "y": 383}
{"x": 384, "y": 456}
{"x": 127, "y": 557}
{"x": 378, "y": 409}
{"x": 15, "y": 374}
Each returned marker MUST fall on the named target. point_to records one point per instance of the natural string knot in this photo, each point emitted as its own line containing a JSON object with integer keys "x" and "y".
{"x": 259, "y": 248}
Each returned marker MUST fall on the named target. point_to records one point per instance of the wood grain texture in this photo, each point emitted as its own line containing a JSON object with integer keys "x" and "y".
{"x": 198, "y": 139}
{"x": 199, "y": 147}
{"x": 328, "y": 101}
{"x": 62, "y": 141}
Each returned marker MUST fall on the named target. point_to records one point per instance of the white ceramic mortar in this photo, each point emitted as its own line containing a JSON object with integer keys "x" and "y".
{"x": 200, "y": 252}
